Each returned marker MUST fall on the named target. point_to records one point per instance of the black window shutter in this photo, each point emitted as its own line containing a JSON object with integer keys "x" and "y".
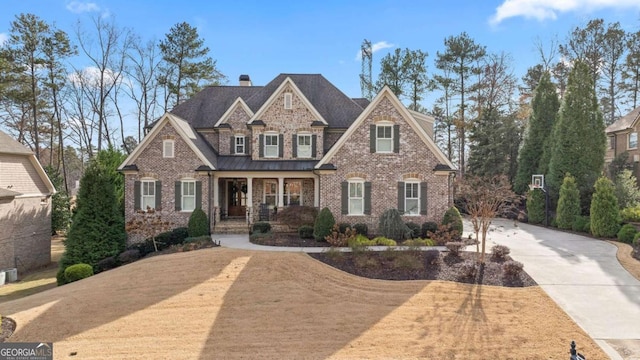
{"x": 401, "y": 197}
{"x": 158, "y": 195}
{"x": 233, "y": 145}
{"x": 178, "y": 195}
{"x": 261, "y": 145}
{"x": 423, "y": 198}
{"x": 372, "y": 138}
{"x": 198, "y": 194}
{"x": 396, "y": 138}
{"x": 281, "y": 145}
{"x": 294, "y": 145}
{"x": 367, "y": 198}
{"x": 314, "y": 139}
{"x": 136, "y": 195}
{"x": 247, "y": 145}
{"x": 345, "y": 197}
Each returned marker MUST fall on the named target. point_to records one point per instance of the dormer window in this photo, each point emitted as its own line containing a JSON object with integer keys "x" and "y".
{"x": 288, "y": 100}
{"x": 384, "y": 138}
{"x": 167, "y": 148}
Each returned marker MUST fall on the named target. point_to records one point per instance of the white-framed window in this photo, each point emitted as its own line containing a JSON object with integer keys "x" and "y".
{"x": 633, "y": 140}
{"x": 384, "y": 138}
{"x": 167, "y": 148}
{"x": 288, "y": 100}
{"x": 293, "y": 193}
{"x": 412, "y": 198}
{"x": 271, "y": 146}
{"x": 304, "y": 146}
{"x": 148, "y": 194}
{"x": 356, "y": 197}
{"x": 188, "y": 195}
{"x": 239, "y": 144}
{"x": 270, "y": 196}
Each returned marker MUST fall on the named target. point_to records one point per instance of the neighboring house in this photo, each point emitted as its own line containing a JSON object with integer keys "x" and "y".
{"x": 25, "y": 208}
{"x": 246, "y": 151}
{"x": 622, "y": 136}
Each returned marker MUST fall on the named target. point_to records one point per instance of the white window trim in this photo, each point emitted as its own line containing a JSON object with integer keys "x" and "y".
{"x": 143, "y": 206}
{"x": 277, "y": 145}
{"x": 264, "y": 191}
{"x": 288, "y": 101}
{"x": 236, "y": 145}
{"x": 165, "y": 154}
{"x": 385, "y": 125}
{"x": 355, "y": 181}
{"x": 412, "y": 182}
{"x": 309, "y": 146}
{"x": 183, "y": 196}
{"x": 629, "y": 141}
{"x": 287, "y": 194}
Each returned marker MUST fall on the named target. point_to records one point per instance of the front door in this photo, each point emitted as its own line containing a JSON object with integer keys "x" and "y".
{"x": 236, "y": 197}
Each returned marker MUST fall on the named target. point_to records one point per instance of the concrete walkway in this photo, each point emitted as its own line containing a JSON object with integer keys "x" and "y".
{"x": 581, "y": 274}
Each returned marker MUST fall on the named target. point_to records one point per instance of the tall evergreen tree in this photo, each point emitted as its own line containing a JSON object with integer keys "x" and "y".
{"x": 568, "y": 204}
{"x": 545, "y": 107}
{"x": 579, "y": 138}
{"x": 605, "y": 214}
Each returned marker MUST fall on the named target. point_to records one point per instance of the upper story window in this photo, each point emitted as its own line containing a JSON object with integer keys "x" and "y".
{"x": 356, "y": 197}
{"x": 384, "y": 138}
{"x": 167, "y": 148}
{"x": 271, "y": 146}
{"x": 148, "y": 194}
{"x": 304, "y": 146}
{"x": 412, "y": 198}
{"x": 633, "y": 140}
{"x": 288, "y": 100}
{"x": 239, "y": 144}
{"x": 188, "y": 195}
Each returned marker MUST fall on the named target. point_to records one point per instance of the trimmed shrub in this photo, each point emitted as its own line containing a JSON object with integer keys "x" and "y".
{"x": 467, "y": 269}
{"x": 360, "y": 240}
{"x": 512, "y": 268}
{"x": 416, "y": 230}
{"x": 105, "y": 264}
{"x": 581, "y": 224}
{"x": 454, "y": 247}
{"x": 444, "y": 234}
{"x": 361, "y": 229}
{"x": 635, "y": 239}
{"x": 499, "y": 252}
{"x": 568, "y": 204}
{"x": 391, "y": 225}
{"x": 77, "y": 272}
{"x": 453, "y": 219}
{"x": 382, "y": 241}
{"x": 627, "y": 233}
{"x": 198, "y": 223}
{"x": 129, "y": 256}
{"x": 323, "y": 225}
{"x": 419, "y": 242}
{"x": 431, "y": 257}
{"x": 305, "y": 232}
{"x": 261, "y": 227}
{"x": 198, "y": 239}
{"x": 428, "y": 227}
{"x": 630, "y": 214}
{"x": 259, "y": 237}
{"x": 605, "y": 217}
{"x": 295, "y": 216}
{"x": 342, "y": 227}
{"x": 535, "y": 206}
{"x": 337, "y": 238}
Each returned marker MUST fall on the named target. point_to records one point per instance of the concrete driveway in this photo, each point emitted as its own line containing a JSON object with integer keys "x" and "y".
{"x": 583, "y": 276}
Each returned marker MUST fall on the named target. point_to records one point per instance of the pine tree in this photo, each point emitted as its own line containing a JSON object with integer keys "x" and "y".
{"x": 545, "y": 107}
{"x": 568, "y": 204}
{"x": 579, "y": 140}
{"x": 605, "y": 216}
{"x": 97, "y": 229}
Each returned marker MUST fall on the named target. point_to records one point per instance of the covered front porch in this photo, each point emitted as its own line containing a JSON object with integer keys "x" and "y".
{"x": 259, "y": 196}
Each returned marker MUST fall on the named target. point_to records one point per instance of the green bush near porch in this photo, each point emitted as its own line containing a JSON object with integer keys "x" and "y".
{"x": 324, "y": 224}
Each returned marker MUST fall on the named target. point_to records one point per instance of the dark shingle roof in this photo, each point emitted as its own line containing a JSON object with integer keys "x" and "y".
{"x": 205, "y": 108}
{"x": 362, "y": 102}
{"x": 245, "y": 163}
{"x": 624, "y": 122}
{"x": 10, "y": 146}
{"x": 4, "y": 193}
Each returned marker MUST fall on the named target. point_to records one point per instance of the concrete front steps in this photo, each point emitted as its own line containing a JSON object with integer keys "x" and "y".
{"x": 231, "y": 226}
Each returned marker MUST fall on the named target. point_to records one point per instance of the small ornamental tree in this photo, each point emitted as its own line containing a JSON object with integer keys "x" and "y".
{"x": 605, "y": 217}
{"x": 535, "y": 206}
{"x": 626, "y": 189}
{"x": 453, "y": 219}
{"x": 323, "y": 225}
{"x": 390, "y": 225}
{"x": 568, "y": 203}
{"x": 484, "y": 198}
{"x": 198, "y": 223}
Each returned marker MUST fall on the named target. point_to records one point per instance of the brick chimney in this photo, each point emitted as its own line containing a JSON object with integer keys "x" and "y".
{"x": 245, "y": 80}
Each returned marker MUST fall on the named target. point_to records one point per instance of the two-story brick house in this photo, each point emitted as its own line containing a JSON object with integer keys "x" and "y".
{"x": 622, "y": 136}
{"x": 243, "y": 151}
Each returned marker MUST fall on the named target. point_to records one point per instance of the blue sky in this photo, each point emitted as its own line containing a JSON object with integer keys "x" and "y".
{"x": 265, "y": 38}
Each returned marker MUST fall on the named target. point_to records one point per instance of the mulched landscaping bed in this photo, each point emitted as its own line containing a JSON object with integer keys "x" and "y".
{"x": 423, "y": 265}
{"x": 7, "y": 328}
{"x": 287, "y": 239}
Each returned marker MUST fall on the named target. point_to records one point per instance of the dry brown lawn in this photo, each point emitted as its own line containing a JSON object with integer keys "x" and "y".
{"x": 221, "y": 303}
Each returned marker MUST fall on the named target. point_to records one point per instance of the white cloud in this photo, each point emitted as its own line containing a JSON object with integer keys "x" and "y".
{"x": 549, "y": 9}
{"x": 90, "y": 76}
{"x": 375, "y": 48}
{"x": 79, "y": 7}
{"x": 3, "y": 38}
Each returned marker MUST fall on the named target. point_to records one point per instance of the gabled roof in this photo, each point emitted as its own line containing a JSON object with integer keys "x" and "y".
{"x": 195, "y": 141}
{"x": 626, "y": 122}
{"x": 386, "y": 92}
{"x": 238, "y": 102}
{"x": 10, "y": 146}
{"x": 4, "y": 193}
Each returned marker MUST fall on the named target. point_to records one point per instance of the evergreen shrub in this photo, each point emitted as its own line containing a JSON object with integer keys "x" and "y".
{"x": 627, "y": 233}
{"x": 324, "y": 224}
{"x": 390, "y": 225}
{"x": 198, "y": 223}
{"x": 453, "y": 219}
{"x": 77, "y": 272}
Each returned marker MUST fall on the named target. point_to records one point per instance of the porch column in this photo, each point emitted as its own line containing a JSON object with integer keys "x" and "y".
{"x": 280, "y": 192}
{"x": 216, "y": 200}
{"x": 316, "y": 191}
{"x": 249, "y": 199}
